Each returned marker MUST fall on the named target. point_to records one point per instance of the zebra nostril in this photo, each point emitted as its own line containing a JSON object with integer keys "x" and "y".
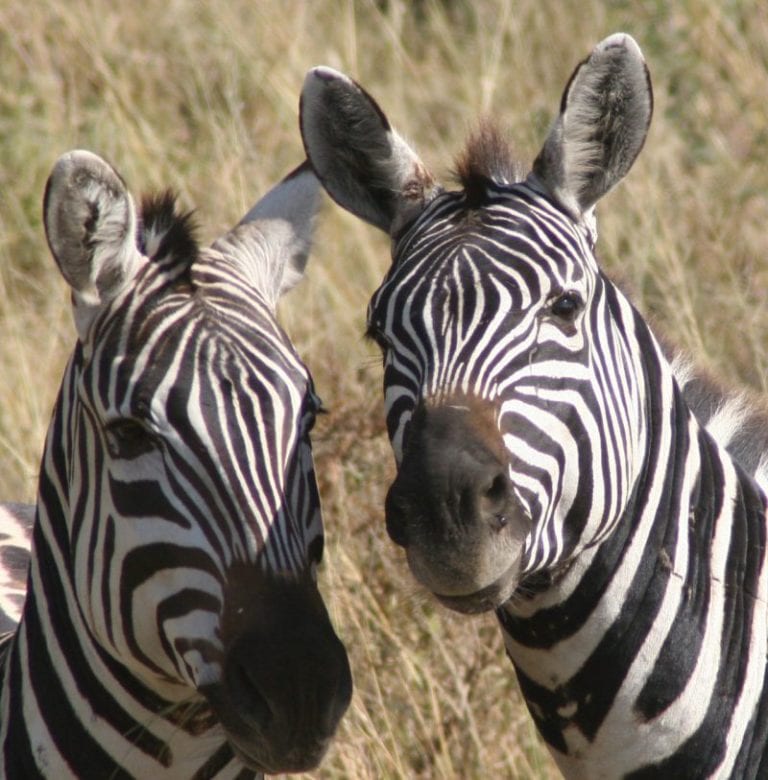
{"x": 494, "y": 502}
{"x": 496, "y": 495}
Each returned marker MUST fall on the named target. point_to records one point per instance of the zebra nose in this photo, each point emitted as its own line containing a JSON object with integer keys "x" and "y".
{"x": 477, "y": 492}
{"x": 488, "y": 502}
{"x": 494, "y": 497}
{"x": 396, "y": 514}
{"x": 286, "y": 680}
{"x": 453, "y": 475}
{"x": 242, "y": 678}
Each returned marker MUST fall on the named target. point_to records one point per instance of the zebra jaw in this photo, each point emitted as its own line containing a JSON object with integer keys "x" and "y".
{"x": 486, "y": 599}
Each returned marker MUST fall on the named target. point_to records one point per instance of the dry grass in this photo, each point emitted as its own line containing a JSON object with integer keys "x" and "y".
{"x": 202, "y": 96}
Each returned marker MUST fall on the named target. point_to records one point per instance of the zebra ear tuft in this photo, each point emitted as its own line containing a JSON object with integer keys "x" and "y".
{"x": 90, "y": 224}
{"x": 365, "y": 166}
{"x": 272, "y": 241}
{"x": 604, "y": 117}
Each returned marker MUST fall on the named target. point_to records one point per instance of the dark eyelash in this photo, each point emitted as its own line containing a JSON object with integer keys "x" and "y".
{"x": 127, "y": 438}
{"x": 372, "y": 333}
{"x": 567, "y": 305}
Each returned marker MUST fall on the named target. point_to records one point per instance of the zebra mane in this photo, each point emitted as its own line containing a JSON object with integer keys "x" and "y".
{"x": 734, "y": 417}
{"x": 166, "y": 234}
{"x": 487, "y": 157}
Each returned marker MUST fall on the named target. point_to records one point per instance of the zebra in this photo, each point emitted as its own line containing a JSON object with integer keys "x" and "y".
{"x": 556, "y": 464}
{"x": 16, "y": 522}
{"x": 172, "y": 626}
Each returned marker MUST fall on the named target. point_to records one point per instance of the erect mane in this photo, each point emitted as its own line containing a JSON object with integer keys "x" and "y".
{"x": 487, "y": 157}
{"x": 735, "y": 417}
{"x": 166, "y": 234}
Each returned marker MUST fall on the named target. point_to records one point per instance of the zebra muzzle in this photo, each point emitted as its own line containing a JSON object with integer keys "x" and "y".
{"x": 286, "y": 679}
{"x": 452, "y": 507}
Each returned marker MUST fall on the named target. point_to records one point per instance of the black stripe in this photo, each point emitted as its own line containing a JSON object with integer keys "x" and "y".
{"x": 72, "y": 738}
{"x": 20, "y": 762}
{"x": 215, "y": 763}
{"x": 682, "y": 645}
{"x": 139, "y": 565}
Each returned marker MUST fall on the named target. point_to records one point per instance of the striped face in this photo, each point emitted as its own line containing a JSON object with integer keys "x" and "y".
{"x": 178, "y": 495}
{"x": 497, "y": 319}
{"x": 191, "y": 415}
{"x": 509, "y": 382}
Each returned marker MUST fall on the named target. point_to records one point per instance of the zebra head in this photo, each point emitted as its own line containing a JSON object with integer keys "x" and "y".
{"x": 508, "y": 386}
{"x": 178, "y": 503}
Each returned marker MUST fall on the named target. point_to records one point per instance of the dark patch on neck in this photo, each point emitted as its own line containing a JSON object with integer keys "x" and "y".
{"x": 169, "y": 234}
{"x": 487, "y": 159}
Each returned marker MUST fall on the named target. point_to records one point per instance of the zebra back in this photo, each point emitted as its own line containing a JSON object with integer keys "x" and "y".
{"x": 16, "y": 522}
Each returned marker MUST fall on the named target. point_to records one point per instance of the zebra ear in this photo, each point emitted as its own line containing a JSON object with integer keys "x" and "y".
{"x": 90, "y": 224}
{"x": 365, "y": 166}
{"x": 272, "y": 241}
{"x": 604, "y": 117}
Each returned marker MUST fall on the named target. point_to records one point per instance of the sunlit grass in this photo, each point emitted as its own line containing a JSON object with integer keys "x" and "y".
{"x": 202, "y": 97}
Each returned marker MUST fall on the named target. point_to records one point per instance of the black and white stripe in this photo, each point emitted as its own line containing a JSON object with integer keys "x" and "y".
{"x": 16, "y": 521}
{"x": 553, "y": 464}
{"x": 172, "y": 626}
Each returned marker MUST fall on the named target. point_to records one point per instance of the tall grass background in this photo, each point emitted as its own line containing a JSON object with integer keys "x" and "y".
{"x": 203, "y": 96}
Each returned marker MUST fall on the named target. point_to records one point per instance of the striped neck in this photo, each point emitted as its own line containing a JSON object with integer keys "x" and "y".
{"x": 617, "y": 658}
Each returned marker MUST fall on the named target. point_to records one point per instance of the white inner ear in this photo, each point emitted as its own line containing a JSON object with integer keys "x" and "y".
{"x": 90, "y": 223}
{"x": 599, "y": 133}
{"x": 581, "y": 155}
{"x": 115, "y": 257}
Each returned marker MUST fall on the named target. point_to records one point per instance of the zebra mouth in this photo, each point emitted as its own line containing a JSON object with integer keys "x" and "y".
{"x": 486, "y": 599}
{"x": 258, "y": 749}
{"x": 289, "y": 763}
{"x": 247, "y": 759}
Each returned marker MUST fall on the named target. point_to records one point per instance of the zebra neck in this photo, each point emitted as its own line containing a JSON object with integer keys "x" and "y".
{"x": 69, "y": 709}
{"x": 656, "y": 626}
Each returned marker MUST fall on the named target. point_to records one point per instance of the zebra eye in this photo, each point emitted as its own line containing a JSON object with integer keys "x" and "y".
{"x": 312, "y": 408}
{"x": 567, "y": 305}
{"x": 377, "y": 336}
{"x": 311, "y": 418}
{"x": 128, "y": 439}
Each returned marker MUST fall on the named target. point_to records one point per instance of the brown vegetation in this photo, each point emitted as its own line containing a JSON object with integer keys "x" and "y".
{"x": 202, "y": 97}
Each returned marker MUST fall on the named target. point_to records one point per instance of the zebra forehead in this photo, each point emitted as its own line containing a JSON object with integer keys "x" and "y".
{"x": 487, "y": 156}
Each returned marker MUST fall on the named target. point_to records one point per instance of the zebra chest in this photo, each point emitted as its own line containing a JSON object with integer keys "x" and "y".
{"x": 677, "y": 695}
{"x": 593, "y": 724}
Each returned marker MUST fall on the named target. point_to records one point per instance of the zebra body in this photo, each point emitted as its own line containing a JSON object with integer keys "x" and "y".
{"x": 553, "y": 465}
{"x": 16, "y": 521}
{"x": 172, "y": 627}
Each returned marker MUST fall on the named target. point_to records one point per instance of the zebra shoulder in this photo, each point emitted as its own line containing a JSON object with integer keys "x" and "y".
{"x": 16, "y": 521}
